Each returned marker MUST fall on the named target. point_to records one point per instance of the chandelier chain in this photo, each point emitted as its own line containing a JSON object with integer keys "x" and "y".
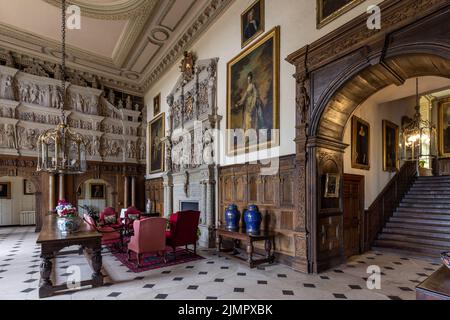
{"x": 63, "y": 58}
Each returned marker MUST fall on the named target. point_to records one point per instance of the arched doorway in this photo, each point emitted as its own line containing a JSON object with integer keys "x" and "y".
{"x": 95, "y": 193}
{"x": 331, "y": 84}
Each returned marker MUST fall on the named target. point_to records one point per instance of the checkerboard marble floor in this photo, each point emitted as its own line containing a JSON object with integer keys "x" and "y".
{"x": 214, "y": 277}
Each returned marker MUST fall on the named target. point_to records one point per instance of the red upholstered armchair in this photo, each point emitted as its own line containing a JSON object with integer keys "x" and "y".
{"x": 149, "y": 237}
{"x": 183, "y": 230}
{"x": 109, "y": 218}
{"x": 132, "y": 214}
{"x": 110, "y": 236}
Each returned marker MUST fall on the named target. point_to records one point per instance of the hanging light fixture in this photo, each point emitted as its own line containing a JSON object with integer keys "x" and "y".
{"x": 418, "y": 137}
{"x": 62, "y": 150}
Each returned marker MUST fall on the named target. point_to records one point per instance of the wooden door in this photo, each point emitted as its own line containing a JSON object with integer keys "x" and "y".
{"x": 353, "y": 213}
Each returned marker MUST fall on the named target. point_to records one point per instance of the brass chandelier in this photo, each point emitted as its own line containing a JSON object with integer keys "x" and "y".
{"x": 62, "y": 150}
{"x": 418, "y": 137}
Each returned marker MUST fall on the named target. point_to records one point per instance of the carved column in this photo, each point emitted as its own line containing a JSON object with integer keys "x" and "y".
{"x": 125, "y": 192}
{"x": 203, "y": 203}
{"x": 168, "y": 194}
{"x": 51, "y": 192}
{"x": 61, "y": 187}
{"x": 133, "y": 191}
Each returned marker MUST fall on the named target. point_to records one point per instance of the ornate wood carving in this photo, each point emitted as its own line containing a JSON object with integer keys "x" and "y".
{"x": 154, "y": 190}
{"x": 337, "y": 73}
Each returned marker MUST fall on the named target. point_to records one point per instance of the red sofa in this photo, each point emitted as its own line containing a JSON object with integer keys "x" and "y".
{"x": 183, "y": 230}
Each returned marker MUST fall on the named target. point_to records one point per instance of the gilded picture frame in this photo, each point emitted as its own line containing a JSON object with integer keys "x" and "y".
{"x": 157, "y": 104}
{"x": 251, "y": 29}
{"x": 156, "y": 131}
{"x": 329, "y": 10}
{"x": 332, "y": 185}
{"x": 444, "y": 128}
{"x": 5, "y": 190}
{"x": 97, "y": 191}
{"x": 390, "y": 146}
{"x": 258, "y": 66}
{"x": 360, "y": 144}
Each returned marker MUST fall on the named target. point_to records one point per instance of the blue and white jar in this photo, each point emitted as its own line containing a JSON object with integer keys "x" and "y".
{"x": 253, "y": 219}
{"x": 232, "y": 217}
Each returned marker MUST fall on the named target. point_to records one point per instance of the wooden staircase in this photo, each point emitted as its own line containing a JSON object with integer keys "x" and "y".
{"x": 421, "y": 223}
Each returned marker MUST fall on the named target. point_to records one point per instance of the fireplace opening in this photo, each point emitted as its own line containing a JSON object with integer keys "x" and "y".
{"x": 189, "y": 206}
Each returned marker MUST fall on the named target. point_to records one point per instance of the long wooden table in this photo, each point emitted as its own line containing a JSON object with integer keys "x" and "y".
{"x": 52, "y": 241}
{"x": 241, "y": 235}
{"x": 436, "y": 286}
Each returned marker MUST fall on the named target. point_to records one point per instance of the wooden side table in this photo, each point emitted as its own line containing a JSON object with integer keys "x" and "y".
{"x": 241, "y": 235}
{"x": 436, "y": 286}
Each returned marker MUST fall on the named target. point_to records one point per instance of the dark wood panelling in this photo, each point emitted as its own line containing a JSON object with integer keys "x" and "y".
{"x": 154, "y": 190}
{"x": 273, "y": 194}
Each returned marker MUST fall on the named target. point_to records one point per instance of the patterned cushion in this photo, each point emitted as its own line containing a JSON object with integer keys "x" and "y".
{"x": 133, "y": 217}
{"x": 110, "y": 219}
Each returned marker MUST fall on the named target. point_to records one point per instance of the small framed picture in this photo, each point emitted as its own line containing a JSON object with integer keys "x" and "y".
{"x": 157, "y": 104}
{"x": 360, "y": 144}
{"x": 252, "y": 22}
{"x": 5, "y": 190}
{"x": 332, "y": 185}
{"x": 390, "y": 146}
{"x": 28, "y": 187}
{"x": 98, "y": 191}
{"x": 80, "y": 191}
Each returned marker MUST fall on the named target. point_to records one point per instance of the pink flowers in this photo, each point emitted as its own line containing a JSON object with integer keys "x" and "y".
{"x": 65, "y": 209}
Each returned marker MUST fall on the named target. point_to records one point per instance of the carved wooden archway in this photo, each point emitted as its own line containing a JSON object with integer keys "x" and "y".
{"x": 334, "y": 76}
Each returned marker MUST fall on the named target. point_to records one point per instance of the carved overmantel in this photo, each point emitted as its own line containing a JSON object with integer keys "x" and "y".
{"x": 333, "y": 76}
{"x": 191, "y": 145}
{"x": 29, "y": 105}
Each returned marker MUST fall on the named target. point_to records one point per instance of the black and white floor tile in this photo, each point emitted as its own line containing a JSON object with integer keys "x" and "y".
{"x": 212, "y": 278}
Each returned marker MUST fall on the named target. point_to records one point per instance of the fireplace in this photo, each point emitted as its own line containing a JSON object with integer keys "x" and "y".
{"x": 189, "y": 206}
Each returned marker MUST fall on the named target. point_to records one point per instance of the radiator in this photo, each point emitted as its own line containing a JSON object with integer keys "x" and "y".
{"x": 27, "y": 218}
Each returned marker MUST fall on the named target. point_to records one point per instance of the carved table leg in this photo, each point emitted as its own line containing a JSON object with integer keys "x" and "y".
{"x": 97, "y": 277}
{"x": 46, "y": 285}
{"x": 250, "y": 253}
{"x": 219, "y": 243}
{"x": 268, "y": 248}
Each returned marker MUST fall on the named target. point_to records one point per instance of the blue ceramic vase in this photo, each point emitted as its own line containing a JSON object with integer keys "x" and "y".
{"x": 253, "y": 218}
{"x": 232, "y": 217}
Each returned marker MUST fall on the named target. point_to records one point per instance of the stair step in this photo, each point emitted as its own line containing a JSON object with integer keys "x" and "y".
{"x": 425, "y": 216}
{"x": 428, "y": 192}
{"x": 431, "y": 251}
{"x": 417, "y": 227}
{"x": 432, "y": 187}
{"x": 423, "y": 210}
{"x": 419, "y": 204}
{"x": 414, "y": 239}
{"x": 430, "y": 199}
{"x": 421, "y": 221}
{"x": 417, "y": 233}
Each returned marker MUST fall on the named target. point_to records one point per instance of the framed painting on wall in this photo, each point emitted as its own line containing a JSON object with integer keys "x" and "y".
{"x": 332, "y": 185}
{"x": 253, "y": 81}
{"x": 28, "y": 187}
{"x": 157, "y": 105}
{"x": 444, "y": 128}
{"x": 329, "y": 10}
{"x": 157, "y": 151}
{"x": 5, "y": 190}
{"x": 252, "y": 22}
{"x": 98, "y": 191}
{"x": 360, "y": 144}
{"x": 390, "y": 146}
{"x": 80, "y": 192}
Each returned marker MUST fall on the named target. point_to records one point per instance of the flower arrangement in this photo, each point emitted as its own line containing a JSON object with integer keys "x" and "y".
{"x": 66, "y": 210}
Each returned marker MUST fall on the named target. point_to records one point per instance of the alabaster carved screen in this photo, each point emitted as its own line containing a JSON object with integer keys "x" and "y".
{"x": 193, "y": 112}
{"x": 30, "y": 104}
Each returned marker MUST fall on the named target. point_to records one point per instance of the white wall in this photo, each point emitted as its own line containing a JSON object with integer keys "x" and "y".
{"x": 297, "y": 19}
{"x": 391, "y": 103}
{"x": 10, "y": 208}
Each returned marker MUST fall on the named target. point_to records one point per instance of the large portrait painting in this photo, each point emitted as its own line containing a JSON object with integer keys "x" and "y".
{"x": 157, "y": 105}
{"x": 252, "y": 22}
{"x": 253, "y": 96}
{"x": 157, "y": 132}
{"x": 390, "y": 146}
{"x": 328, "y": 10}
{"x": 360, "y": 144}
{"x": 444, "y": 128}
{"x": 5, "y": 190}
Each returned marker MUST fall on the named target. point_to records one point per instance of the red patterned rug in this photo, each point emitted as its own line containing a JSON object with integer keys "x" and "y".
{"x": 151, "y": 262}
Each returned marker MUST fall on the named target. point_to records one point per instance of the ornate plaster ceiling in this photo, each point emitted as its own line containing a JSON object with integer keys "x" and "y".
{"x": 127, "y": 43}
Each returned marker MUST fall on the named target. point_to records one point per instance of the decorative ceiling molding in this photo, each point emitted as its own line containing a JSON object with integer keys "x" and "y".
{"x": 113, "y": 10}
{"x": 152, "y": 43}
